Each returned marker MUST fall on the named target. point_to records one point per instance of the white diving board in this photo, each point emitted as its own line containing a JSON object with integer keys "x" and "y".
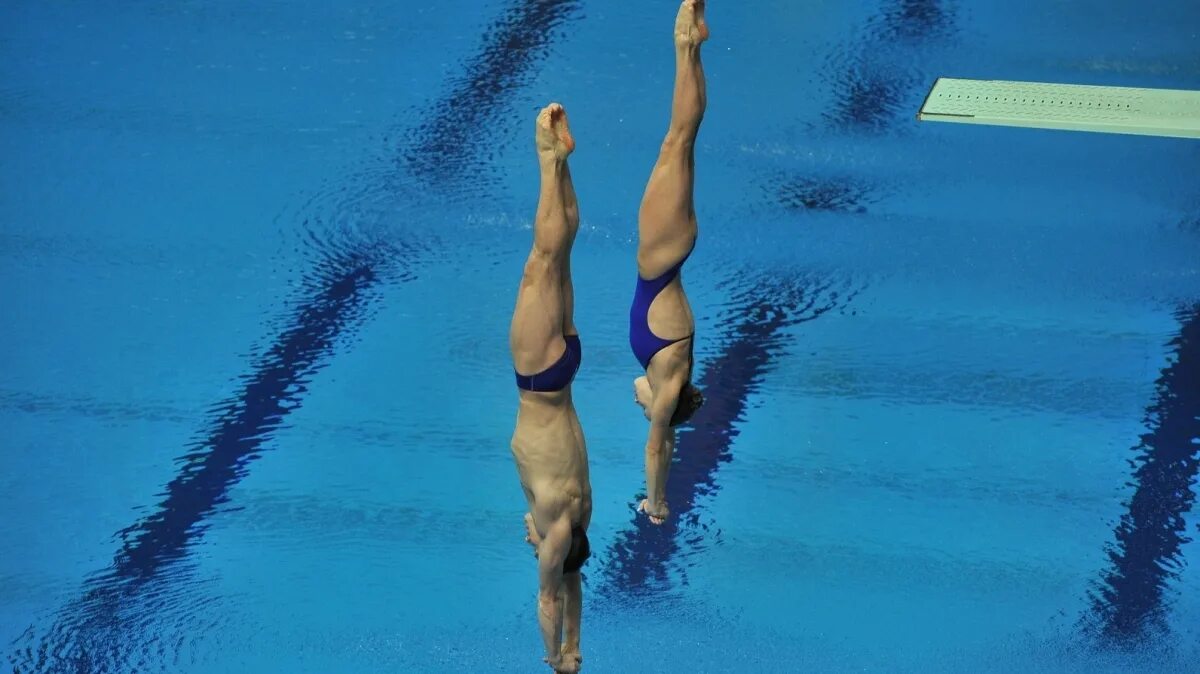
{"x": 1073, "y": 107}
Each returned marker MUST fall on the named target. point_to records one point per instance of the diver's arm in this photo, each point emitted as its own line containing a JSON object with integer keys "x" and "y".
{"x": 572, "y": 614}
{"x": 551, "y": 553}
{"x": 660, "y": 443}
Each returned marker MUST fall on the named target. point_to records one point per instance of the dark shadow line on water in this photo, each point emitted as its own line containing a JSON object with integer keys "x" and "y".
{"x": 277, "y": 382}
{"x": 823, "y": 193}
{"x": 871, "y": 80}
{"x": 755, "y": 334}
{"x": 1128, "y": 603}
{"x": 237, "y": 436}
{"x": 336, "y": 300}
{"x": 442, "y": 147}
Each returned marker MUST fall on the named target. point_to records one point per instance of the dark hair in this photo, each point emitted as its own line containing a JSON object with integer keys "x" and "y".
{"x": 579, "y": 552}
{"x": 690, "y": 400}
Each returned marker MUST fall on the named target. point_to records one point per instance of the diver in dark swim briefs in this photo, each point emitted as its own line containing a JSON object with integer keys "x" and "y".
{"x": 661, "y": 328}
{"x": 548, "y": 441}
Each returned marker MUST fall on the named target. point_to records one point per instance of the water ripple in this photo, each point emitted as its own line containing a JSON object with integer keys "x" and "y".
{"x": 334, "y": 296}
{"x": 845, "y": 194}
{"x": 94, "y": 635}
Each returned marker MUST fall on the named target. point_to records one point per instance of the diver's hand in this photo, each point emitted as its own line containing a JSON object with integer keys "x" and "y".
{"x": 657, "y": 513}
{"x": 569, "y": 660}
{"x": 531, "y": 534}
{"x": 563, "y": 665}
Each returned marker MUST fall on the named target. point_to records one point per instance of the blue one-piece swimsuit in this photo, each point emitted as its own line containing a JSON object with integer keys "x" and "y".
{"x": 643, "y": 341}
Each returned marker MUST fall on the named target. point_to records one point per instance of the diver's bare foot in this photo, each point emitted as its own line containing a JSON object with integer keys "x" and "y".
{"x": 553, "y": 134}
{"x": 690, "y": 27}
{"x": 657, "y": 515}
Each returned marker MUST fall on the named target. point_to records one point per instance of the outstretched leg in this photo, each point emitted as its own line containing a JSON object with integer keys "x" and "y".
{"x": 545, "y": 301}
{"x": 571, "y": 209}
{"x": 667, "y": 218}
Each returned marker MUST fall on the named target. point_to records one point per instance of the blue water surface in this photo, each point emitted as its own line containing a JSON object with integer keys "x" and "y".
{"x": 259, "y": 260}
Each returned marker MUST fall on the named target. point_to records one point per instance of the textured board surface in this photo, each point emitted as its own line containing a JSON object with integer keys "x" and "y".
{"x": 1154, "y": 112}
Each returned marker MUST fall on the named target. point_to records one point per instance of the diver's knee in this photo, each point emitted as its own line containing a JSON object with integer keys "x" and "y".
{"x": 678, "y": 141}
{"x": 540, "y": 266}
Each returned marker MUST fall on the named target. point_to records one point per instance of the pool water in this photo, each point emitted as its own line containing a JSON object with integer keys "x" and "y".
{"x": 259, "y": 261}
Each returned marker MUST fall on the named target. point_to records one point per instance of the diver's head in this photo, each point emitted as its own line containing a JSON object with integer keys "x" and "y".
{"x": 580, "y": 550}
{"x": 690, "y": 400}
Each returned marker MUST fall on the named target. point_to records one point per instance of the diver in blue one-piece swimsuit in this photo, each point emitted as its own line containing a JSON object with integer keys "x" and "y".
{"x": 661, "y": 328}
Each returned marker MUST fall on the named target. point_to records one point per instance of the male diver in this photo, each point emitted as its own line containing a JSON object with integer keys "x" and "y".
{"x": 548, "y": 443}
